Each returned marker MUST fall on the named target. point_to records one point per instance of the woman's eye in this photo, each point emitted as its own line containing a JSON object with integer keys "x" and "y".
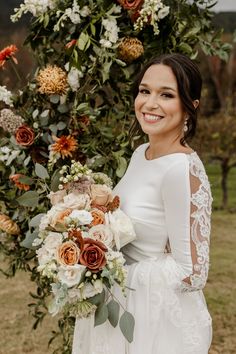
{"x": 144, "y": 91}
{"x": 166, "y": 94}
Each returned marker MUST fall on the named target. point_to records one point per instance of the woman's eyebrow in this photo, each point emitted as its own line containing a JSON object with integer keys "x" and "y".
{"x": 161, "y": 88}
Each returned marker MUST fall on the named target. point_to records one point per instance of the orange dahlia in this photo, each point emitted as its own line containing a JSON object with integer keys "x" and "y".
{"x": 64, "y": 145}
{"x": 15, "y": 179}
{"x": 8, "y": 53}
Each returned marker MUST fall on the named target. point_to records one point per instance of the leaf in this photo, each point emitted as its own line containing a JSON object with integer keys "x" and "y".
{"x": 26, "y": 180}
{"x": 113, "y": 312}
{"x": 97, "y": 299}
{"x": 63, "y": 108}
{"x": 101, "y": 314}
{"x": 55, "y": 180}
{"x": 27, "y": 242}
{"x": 83, "y": 41}
{"x": 41, "y": 171}
{"x": 36, "y": 220}
{"x": 61, "y": 125}
{"x": 127, "y": 325}
{"x": 54, "y": 98}
{"x": 29, "y": 199}
{"x": 122, "y": 165}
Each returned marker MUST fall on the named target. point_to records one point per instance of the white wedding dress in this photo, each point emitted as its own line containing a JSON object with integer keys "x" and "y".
{"x": 169, "y": 201}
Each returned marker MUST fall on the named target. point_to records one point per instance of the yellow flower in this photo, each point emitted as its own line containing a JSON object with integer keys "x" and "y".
{"x": 52, "y": 80}
{"x": 130, "y": 49}
{"x": 8, "y": 225}
{"x": 64, "y": 145}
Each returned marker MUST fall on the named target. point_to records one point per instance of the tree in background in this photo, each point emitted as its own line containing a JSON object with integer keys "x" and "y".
{"x": 78, "y": 104}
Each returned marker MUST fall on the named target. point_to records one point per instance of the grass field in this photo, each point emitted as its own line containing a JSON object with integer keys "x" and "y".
{"x": 17, "y": 336}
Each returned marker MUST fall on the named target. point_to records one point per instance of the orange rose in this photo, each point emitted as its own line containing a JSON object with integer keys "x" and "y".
{"x": 93, "y": 255}
{"x": 68, "y": 253}
{"x": 25, "y": 135}
{"x": 98, "y": 217}
{"x": 131, "y": 4}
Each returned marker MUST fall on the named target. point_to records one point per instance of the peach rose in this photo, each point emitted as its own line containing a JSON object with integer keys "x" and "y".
{"x": 24, "y": 135}
{"x": 100, "y": 194}
{"x": 98, "y": 217}
{"x": 93, "y": 255}
{"x": 68, "y": 253}
{"x": 131, "y": 4}
{"x": 60, "y": 218}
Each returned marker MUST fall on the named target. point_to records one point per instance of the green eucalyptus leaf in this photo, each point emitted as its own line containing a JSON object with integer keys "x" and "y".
{"x": 63, "y": 108}
{"x": 126, "y": 324}
{"x": 41, "y": 171}
{"x": 34, "y": 222}
{"x": 26, "y": 180}
{"x": 98, "y": 299}
{"x": 61, "y": 125}
{"x": 101, "y": 314}
{"x": 55, "y": 181}
{"x": 29, "y": 199}
{"x": 30, "y": 237}
{"x": 122, "y": 165}
{"x": 113, "y": 312}
{"x": 54, "y": 98}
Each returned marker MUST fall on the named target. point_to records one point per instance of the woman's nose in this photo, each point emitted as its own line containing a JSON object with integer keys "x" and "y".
{"x": 152, "y": 102}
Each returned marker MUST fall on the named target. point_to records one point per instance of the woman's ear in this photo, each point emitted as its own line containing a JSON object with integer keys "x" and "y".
{"x": 196, "y": 103}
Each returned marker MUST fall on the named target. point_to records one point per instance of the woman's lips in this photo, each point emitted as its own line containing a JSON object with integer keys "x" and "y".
{"x": 152, "y": 118}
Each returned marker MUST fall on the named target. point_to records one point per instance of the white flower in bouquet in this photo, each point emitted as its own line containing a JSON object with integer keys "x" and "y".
{"x": 89, "y": 290}
{"x": 102, "y": 233}
{"x": 52, "y": 241}
{"x": 81, "y": 217}
{"x": 76, "y": 201}
{"x": 57, "y": 197}
{"x": 73, "y": 78}
{"x": 36, "y": 7}
{"x": 71, "y": 275}
{"x": 122, "y": 227}
{"x": 6, "y": 96}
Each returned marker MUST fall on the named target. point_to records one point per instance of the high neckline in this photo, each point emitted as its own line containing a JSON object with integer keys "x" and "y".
{"x": 146, "y": 146}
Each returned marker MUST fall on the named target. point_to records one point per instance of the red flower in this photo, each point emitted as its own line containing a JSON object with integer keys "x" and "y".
{"x": 93, "y": 255}
{"x": 131, "y": 4}
{"x": 71, "y": 43}
{"x": 20, "y": 185}
{"x": 8, "y": 53}
{"x": 25, "y": 136}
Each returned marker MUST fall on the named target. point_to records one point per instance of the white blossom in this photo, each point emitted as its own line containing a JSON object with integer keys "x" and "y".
{"x": 6, "y": 96}
{"x": 110, "y": 36}
{"x": 73, "y": 78}
{"x": 35, "y": 7}
{"x": 71, "y": 275}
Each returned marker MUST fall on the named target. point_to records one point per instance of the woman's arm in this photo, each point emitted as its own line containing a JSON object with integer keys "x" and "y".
{"x": 187, "y": 202}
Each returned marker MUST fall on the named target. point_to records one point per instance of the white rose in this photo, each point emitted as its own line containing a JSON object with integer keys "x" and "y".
{"x": 52, "y": 241}
{"x": 44, "y": 256}
{"x": 121, "y": 226}
{"x": 89, "y": 290}
{"x": 102, "y": 233}
{"x": 83, "y": 217}
{"x": 71, "y": 275}
{"x": 76, "y": 201}
{"x": 57, "y": 197}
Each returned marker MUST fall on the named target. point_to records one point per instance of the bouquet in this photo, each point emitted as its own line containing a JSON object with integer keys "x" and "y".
{"x": 78, "y": 246}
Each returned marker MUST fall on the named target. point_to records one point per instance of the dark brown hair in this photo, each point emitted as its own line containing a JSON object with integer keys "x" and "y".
{"x": 189, "y": 83}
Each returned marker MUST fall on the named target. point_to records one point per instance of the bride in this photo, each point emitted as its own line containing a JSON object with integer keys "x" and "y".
{"x": 166, "y": 193}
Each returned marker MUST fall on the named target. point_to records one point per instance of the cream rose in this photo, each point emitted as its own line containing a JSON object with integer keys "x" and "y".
{"x": 76, "y": 201}
{"x": 122, "y": 227}
{"x": 57, "y": 197}
{"x": 102, "y": 233}
{"x": 71, "y": 275}
{"x": 89, "y": 290}
{"x": 68, "y": 253}
{"x": 101, "y": 194}
{"x": 82, "y": 217}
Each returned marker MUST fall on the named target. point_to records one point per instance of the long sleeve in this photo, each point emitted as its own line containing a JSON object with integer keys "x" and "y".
{"x": 187, "y": 202}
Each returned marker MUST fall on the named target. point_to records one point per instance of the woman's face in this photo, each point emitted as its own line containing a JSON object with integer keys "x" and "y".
{"x": 158, "y": 106}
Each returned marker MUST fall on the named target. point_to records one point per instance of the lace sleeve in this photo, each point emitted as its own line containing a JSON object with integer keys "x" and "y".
{"x": 187, "y": 200}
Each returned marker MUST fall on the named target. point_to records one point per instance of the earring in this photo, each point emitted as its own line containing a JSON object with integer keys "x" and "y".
{"x": 185, "y": 125}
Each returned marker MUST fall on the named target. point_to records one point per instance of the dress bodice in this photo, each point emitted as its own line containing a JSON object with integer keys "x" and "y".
{"x": 165, "y": 207}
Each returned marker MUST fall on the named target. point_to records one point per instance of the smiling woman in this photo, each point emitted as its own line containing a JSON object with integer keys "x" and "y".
{"x": 166, "y": 193}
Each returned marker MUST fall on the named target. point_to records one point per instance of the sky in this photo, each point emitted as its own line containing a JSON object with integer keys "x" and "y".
{"x": 225, "y": 5}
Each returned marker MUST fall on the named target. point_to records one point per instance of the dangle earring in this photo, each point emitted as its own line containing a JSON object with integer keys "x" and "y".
{"x": 186, "y": 125}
